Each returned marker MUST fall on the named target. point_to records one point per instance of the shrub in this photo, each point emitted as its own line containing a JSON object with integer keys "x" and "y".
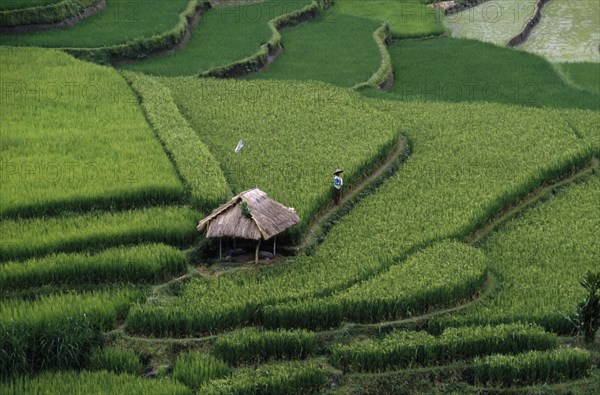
{"x": 194, "y": 369}
{"x": 252, "y": 345}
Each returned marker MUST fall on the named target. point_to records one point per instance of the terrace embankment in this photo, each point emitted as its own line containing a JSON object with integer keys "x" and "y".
{"x": 93, "y": 9}
{"x": 269, "y": 51}
{"x": 535, "y": 19}
{"x": 187, "y": 35}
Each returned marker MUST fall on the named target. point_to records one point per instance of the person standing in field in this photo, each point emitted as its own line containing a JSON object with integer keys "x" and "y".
{"x": 337, "y": 185}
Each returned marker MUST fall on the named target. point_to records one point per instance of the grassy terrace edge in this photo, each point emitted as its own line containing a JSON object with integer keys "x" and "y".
{"x": 262, "y": 57}
{"x": 47, "y": 14}
{"x": 384, "y": 76}
{"x": 146, "y": 46}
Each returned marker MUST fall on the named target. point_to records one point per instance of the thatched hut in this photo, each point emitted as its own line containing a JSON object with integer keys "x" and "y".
{"x": 250, "y": 215}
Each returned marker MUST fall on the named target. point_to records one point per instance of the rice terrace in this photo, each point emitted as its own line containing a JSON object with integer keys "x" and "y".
{"x": 299, "y": 197}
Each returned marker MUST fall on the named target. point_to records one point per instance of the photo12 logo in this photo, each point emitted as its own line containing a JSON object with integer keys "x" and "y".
{"x": 509, "y": 11}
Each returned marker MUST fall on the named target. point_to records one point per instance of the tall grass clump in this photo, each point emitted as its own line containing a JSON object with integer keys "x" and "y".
{"x": 194, "y": 369}
{"x": 405, "y": 349}
{"x": 144, "y": 263}
{"x": 532, "y": 367}
{"x": 284, "y": 378}
{"x": 58, "y": 331}
{"x": 22, "y": 239}
{"x": 251, "y": 345}
{"x": 195, "y": 162}
{"x": 115, "y": 360}
{"x": 97, "y": 383}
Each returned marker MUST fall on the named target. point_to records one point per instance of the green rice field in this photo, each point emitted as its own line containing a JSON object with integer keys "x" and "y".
{"x": 453, "y": 263}
{"x": 224, "y": 35}
{"x": 122, "y": 21}
{"x": 418, "y": 76}
{"x": 528, "y": 258}
{"x": 118, "y": 161}
{"x": 308, "y": 56}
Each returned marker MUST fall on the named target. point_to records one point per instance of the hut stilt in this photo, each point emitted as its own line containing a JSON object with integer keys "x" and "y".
{"x": 257, "y": 251}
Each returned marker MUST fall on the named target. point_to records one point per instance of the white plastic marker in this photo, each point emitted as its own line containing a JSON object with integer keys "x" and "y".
{"x": 239, "y": 146}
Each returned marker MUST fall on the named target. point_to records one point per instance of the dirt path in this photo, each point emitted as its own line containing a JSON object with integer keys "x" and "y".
{"x": 351, "y": 197}
{"x": 532, "y": 198}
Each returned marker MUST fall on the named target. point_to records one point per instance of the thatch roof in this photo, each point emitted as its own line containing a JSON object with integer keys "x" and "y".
{"x": 269, "y": 218}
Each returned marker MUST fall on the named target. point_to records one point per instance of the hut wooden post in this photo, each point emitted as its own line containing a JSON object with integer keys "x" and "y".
{"x": 274, "y": 246}
{"x": 256, "y": 252}
{"x": 220, "y": 249}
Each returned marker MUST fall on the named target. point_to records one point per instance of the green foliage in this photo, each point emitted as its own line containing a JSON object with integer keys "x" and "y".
{"x": 224, "y": 36}
{"x": 476, "y": 71}
{"x": 532, "y": 367}
{"x": 145, "y": 263}
{"x": 74, "y": 138}
{"x": 194, "y": 161}
{"x": 22, "y": 239}
{"x": 16, "y": 4}
{"x": 589, "y": 309}
{"x": 194, "y": 369}
{"x": 57, "y": 332}
{"x": 404, "y": 349}
{"x": 251, "y": 345}
{"x": 115, "y": 360}
{"x": 124, "y": 30}
{"x": 245, "y": 210}
{"x": 41, "y": 11}
{"x": 441, "y": 275}
{"x": 98, "y": 383}
{"x": 289, "y": 378}
{"x": 538, "y": 260}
